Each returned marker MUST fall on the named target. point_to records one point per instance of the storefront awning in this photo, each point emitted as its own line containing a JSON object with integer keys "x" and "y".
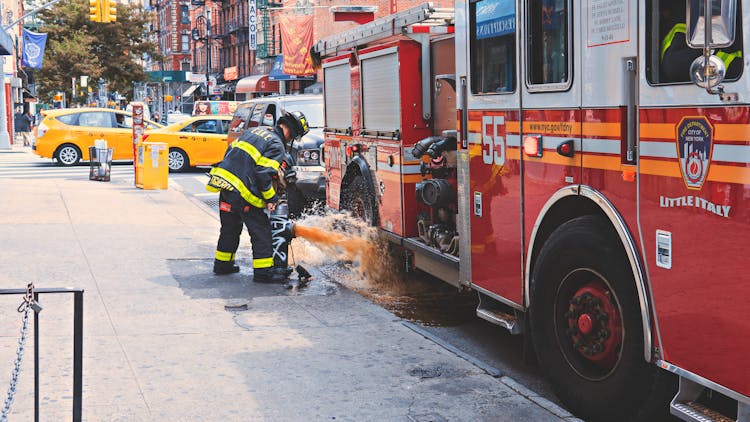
{"x": 189, "y": 92}
{"x": 256, "y": 83}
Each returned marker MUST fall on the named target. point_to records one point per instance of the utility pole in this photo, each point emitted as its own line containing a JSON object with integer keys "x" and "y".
{"x": 208, "y": 52}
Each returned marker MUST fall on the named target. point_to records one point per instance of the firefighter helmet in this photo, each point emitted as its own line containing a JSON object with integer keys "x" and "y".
{"x": 296, "y": 122}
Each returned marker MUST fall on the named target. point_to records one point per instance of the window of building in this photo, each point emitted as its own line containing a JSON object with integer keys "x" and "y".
{"x": 548, "y": 45}
{"x": 185, "y": 41}
{"x": 184, "y": 14}
{"x": 668, "y": 57}
{"x": 493, "y": 46}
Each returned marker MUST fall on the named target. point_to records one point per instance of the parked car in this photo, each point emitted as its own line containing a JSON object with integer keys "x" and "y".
{"x": 195, "y": 141}
{"x": 66, "y": 134}
{"x": 307, "y": 153}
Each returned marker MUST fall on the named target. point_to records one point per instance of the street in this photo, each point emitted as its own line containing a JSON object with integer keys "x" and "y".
{"x": 164, "y": 339}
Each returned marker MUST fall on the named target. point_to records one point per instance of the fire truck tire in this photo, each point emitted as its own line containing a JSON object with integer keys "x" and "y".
{"x": 586, "y": 326}
{"x": 360, "y": 200}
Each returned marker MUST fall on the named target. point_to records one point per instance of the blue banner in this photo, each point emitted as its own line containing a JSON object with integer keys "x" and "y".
{"x": 495, "y": 18}
{"x": 33, "y": 49}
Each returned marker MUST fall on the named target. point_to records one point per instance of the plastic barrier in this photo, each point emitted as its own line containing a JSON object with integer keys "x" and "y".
{"x": 152, "y": 171}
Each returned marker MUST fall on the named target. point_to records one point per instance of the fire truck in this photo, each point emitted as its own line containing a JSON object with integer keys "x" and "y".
{"x": 539, "y": 153}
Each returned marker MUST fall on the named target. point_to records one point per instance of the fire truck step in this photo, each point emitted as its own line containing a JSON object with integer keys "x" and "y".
{"x": 692, "y": 411}
{"x": 686, "y": 406}
{"x": 503, "y": 319}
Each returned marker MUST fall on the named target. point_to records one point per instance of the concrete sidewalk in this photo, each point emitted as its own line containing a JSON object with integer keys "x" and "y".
{"x": 159, "y": 343}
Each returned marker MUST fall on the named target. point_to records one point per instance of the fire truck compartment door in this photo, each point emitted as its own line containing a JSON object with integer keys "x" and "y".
{"x": 380, "y": 91}
{"x": 338, "y": 94}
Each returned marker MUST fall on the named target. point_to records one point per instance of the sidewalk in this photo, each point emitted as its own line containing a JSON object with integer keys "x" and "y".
{"x": 159, "y": 343}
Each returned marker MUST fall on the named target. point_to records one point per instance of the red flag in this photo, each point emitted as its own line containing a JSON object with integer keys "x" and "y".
{"x": 296, "y": 41}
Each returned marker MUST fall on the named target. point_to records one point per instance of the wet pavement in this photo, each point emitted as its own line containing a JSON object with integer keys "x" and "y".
{"x": 165, "y": 339}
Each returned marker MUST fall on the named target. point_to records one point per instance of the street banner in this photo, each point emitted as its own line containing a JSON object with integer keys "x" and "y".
{"x": 252, "y": 24}
{"x": 296, "y": 41}
{"x": 33, "y": 49}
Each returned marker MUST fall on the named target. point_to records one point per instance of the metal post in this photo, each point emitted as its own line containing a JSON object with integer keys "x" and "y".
{"x": 77, "y": 355}
{"x": 77, "y": 346}
{"x": 4, "y": 135}
{"x": 36, "y": 361}
{"x": 208, "y": 52}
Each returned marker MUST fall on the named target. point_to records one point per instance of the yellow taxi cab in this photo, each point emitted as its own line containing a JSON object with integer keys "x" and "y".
{"x": 196, "y": 141}
{"x": 66, "y": 134}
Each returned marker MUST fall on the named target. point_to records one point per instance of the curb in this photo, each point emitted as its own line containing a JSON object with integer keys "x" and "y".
{"x": 496, "y": 373}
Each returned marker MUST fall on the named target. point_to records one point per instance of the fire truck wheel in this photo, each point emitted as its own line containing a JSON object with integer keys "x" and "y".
{"x": 359, "y": 199}
{"x": 586, "y": 324}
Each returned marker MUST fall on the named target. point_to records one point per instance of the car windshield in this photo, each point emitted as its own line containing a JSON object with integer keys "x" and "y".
{"x": 312, "y": 110}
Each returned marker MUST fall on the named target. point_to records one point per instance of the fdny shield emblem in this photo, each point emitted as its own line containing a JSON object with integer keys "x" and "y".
{"x": 694, "y": 145}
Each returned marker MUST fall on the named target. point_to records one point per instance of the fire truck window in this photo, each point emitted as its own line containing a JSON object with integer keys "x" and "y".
{"x": 548, "y": 42}
{"x": 668, "y": 57}
{"x": 493, "y": 46}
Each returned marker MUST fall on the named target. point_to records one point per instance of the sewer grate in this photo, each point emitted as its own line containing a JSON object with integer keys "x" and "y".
{"x": 211, "y": 202}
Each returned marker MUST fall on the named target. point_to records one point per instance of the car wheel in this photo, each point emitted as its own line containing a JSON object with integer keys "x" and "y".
{"x": 359, "y": 198}
{"x": 586, "y": 326}
{"x": 178, "y": 160}
{"x": 68, "y": 155}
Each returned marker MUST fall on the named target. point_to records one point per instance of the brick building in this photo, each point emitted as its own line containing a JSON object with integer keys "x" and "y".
{"x": 240, "y": 72}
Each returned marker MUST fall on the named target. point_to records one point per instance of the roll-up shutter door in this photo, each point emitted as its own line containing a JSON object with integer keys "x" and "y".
{"x": 381, "y": 109}
{"x": 338, "y": 96}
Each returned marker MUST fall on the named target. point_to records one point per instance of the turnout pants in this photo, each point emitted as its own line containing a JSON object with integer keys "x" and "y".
{"x": 234, "y": 212}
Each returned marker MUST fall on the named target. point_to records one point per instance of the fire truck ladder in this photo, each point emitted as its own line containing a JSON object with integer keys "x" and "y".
{"x": 430, "y": 20}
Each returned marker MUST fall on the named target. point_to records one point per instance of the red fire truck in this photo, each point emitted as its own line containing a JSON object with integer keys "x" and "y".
{"x": 542, "y": 153}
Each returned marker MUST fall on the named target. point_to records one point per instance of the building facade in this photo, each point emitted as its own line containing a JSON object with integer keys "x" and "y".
{"x": 223, "y": 54}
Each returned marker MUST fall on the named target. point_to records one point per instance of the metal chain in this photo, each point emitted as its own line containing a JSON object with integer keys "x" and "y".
{"x": 25, "y": 307}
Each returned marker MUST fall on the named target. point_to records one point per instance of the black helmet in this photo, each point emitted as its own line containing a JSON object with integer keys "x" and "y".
{"x": 296, "y": 122}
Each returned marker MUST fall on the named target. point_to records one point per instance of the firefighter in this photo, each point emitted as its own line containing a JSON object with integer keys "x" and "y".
{"x": 245, "y": 180}
{"x": 676, "y": 56}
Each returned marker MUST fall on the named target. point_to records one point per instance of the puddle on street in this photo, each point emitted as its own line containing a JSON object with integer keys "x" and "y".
{"x": 350, "y": 252}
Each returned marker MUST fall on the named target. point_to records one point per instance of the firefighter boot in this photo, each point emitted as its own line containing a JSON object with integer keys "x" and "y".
{"x": 285, "y": 271}
{"x": 268, "y": 275}
{"x": 225, "y": 267}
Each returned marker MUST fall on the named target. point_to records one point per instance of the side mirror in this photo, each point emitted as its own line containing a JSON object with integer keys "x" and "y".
{"x": 707, "y": 72}
{"x": 721, "y": 20}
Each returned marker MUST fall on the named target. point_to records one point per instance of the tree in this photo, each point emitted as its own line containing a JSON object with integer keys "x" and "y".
{"x": 102, "y": 51}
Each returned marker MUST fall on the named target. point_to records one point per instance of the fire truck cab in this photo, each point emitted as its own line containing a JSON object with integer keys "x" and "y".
{"x": 591, "y": 182}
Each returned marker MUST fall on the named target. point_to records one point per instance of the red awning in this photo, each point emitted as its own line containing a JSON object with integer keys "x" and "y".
{"x": 256, "y": 83}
